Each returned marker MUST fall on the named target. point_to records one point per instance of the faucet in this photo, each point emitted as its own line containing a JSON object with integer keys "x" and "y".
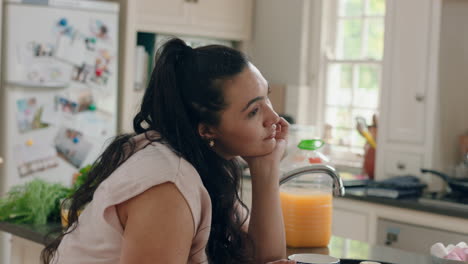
{"x": 338, "y": 188}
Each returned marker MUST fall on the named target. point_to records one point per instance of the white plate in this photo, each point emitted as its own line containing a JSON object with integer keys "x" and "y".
{"x": 313, "y": 259}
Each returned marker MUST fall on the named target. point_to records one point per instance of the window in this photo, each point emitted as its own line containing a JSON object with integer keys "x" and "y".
{"x": 354, "y": 38}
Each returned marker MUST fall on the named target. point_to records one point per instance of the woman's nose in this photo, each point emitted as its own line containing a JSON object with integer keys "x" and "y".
{"x": 272, "y": 117}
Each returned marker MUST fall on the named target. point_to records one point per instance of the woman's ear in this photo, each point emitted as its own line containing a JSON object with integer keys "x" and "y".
{"x": 206, "y": 131}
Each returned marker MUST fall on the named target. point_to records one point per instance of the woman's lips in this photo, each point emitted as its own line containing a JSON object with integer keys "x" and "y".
{"x": 273, "y": 135}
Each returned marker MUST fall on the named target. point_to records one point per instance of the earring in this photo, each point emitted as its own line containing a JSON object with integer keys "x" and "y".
{"x": 211, "y": 143}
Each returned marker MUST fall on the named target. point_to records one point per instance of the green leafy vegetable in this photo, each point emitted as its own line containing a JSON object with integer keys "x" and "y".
{"x": 35, "y": 202}
{"x": 82, "y": 177}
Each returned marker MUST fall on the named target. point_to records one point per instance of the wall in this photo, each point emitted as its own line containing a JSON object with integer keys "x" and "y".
{"x": 283, "y": 44}
{"x": 453, "y": 81}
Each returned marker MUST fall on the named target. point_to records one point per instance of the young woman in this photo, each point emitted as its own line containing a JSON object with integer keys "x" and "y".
{"x": 169, "y": 193}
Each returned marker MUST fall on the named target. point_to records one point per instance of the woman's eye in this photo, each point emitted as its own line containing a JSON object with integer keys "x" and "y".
{"x": 253, "y": 113}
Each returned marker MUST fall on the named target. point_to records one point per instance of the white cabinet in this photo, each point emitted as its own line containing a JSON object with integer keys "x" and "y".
{"x": 407, "y": 128}
{"x": 402, "y": 163}
{"x": 223, "y": 17}
{"x": 423, "y": 100}
{"x": 25, "y": 251}
{"x": 407, "y": 69}
{"x": 219, "y": 19}
{"x": 157, "y": 12}
{"x": 211, "y": 18}
{"x": 350, "y": 224}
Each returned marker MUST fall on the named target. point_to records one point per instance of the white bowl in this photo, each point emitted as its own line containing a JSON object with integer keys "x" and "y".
{"x": 313, "y": 259}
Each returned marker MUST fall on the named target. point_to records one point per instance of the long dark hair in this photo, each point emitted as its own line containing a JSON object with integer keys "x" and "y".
{"x": 186, "y": 89}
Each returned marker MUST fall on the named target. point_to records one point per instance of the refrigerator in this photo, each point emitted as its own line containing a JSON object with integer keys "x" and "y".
{"x": 59, "y": 88}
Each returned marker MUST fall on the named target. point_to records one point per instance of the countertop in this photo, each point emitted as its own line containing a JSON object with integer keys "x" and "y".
{"x": 339, "y": 247}
{"x": 412, "y": 203}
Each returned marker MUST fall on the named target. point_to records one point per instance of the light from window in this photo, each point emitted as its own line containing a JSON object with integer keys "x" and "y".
{"x": 353, "y": 69}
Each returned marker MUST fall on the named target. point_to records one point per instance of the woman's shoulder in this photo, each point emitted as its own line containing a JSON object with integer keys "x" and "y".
{"x": 153, "y": 164}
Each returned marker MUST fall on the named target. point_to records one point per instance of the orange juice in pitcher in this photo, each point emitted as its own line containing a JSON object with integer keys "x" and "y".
{"x": 307, "y": 211}
{"x": 306, "y": 201}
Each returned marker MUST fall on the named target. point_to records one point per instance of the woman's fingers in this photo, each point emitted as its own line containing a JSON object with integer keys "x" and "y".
{"x": 282, "y": 129}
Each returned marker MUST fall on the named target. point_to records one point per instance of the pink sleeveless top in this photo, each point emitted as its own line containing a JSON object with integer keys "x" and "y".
{"x": 98, "y": 236}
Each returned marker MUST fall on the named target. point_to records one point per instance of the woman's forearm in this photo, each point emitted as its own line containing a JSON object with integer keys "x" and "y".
{"x": 266, "y": 220}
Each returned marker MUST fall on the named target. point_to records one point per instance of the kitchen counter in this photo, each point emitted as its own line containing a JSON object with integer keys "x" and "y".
{"x": 460, "y": 210}
{"x": 339, "y": 247}
{"x": 415, "y": 204}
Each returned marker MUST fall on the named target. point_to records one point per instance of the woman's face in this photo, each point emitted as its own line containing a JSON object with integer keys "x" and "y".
{"x": 248, "y": 124}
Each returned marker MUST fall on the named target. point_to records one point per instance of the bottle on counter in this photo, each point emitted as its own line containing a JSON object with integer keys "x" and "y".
{"x": 306, "y": 201}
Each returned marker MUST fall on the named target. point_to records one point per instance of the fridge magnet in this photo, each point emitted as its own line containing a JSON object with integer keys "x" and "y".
{"x": 29, "y": 115}
{"x": 50, "y": 115}
{"x": 31, "y": 158}
{"x": 72, "y": 146}
{"x": 82, "y": 73}
{"x": 81, "y": 101}
{"x": 99, "y": 29}
{"x": 93, "y": 123}
{"x": 36, "y": 66}
{"x": 101, "y": 71}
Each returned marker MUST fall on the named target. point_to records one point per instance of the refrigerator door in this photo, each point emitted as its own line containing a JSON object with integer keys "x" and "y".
{"x": 60, "y": 87}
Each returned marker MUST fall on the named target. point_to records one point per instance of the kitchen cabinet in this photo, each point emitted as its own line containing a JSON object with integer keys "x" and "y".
{"x": 402, "y": 163}
{"x": 406, "y": 67}
{"x": 225, "y": 19}
{"x": 372, "y": 221}
{"x": 420, "y": 102}
{"x": 24, "y": 251}
{"x": 151, "y": 13}
{"x": 350, "y": 223}
{"x": 409, "y": 88}
{"x": 414, "y": 238}
{"x": 219, "y": 19}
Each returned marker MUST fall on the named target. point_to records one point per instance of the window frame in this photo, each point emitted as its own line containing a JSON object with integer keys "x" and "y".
{"x": 342, "y": 154}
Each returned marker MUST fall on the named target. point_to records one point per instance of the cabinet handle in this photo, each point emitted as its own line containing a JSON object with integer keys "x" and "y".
{"x": 391, "y": 238}
{"x": 419, "y": 97}
{"x": 1, "y": 160}
{"x": 401, "y": 165}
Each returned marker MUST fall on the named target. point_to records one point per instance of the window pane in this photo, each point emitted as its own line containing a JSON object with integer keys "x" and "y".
{"x": 367, "y": 93}
{"x": 339, "y": 117}
{"x": 349, "y": 39}
{"x": 351, "y": 7}
{"x": 375, "y": 7}
{"x": 339, "y": 84}
{"x": 357, "y": 139}
{"x": 341, "y": 137}
{"x": 375, "y": 38}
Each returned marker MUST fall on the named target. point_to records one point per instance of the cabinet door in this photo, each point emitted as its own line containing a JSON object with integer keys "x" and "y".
{"x": 406, "y": 69}
{"x": 399, "y": 163}
{"x": 155, "y": 15}
{"x": 350, "y": 224}
{"x": 224, "y": 18}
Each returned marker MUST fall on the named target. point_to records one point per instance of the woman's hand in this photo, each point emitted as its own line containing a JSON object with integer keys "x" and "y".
{"x": 282, "y": 129}
{"x": 263, "y": 165}
{"x": 283, "y": 261}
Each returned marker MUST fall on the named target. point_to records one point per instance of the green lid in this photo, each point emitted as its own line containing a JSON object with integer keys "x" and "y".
{"x": 92, "y": 107}
{"x": 311, "y": 144}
